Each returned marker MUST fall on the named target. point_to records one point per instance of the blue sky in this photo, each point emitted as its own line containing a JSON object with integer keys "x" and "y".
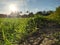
{"x": 30, "y": 5}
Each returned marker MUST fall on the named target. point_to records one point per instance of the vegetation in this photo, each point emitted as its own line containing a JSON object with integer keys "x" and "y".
{"x": 55, "y": 16}
{"x": 13, "y": 30}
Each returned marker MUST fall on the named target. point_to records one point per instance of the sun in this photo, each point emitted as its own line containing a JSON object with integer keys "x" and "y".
{"x": 12, "y": 8}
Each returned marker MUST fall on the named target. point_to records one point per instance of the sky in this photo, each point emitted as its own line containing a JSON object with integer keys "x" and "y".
{"x": 29, "y": 5}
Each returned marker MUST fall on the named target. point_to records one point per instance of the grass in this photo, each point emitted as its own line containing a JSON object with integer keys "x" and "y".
{"x": 13, "y": 29}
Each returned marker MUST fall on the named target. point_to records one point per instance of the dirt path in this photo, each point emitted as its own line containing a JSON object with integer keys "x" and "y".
{"x": 38, "y": 39}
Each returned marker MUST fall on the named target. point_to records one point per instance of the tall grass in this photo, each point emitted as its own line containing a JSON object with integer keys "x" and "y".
{"x": 13, "y": 29}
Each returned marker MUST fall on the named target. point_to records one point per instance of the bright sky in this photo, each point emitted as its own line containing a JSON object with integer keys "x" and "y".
{"x": 30, "y": 5}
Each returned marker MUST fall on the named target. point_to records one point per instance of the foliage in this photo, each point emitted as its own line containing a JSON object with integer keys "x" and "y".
{"x": 55, "y": 16}
{"x": 13, "y": 29}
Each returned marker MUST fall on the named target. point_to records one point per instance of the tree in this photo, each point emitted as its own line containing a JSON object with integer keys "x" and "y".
{"x": 27, "y": 11}
{"x": 40, "y": 12}
{"x": 31, "y": 14}
{"x": 58, "y": 10}
{"x": 55, "y": 15}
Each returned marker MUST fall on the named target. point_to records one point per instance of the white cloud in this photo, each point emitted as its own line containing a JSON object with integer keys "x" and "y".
{"x": 4, "y": 4}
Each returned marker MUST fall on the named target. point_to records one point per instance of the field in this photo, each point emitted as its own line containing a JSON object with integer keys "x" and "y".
{"x": 12, "y": 30}
{"x": 35, "y": 29}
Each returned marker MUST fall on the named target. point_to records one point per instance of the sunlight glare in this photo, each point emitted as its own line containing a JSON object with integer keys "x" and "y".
{"x": 12, "y": 8}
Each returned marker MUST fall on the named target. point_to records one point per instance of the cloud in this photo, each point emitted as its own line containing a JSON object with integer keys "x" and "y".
{"x": 5, "y": 3}
{"x": 21, "y": 4}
